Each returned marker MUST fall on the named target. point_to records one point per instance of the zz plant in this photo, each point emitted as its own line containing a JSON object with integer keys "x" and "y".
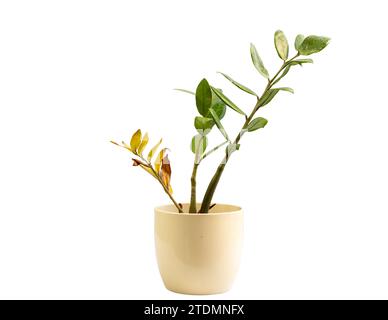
{"x": 212, "y": 104}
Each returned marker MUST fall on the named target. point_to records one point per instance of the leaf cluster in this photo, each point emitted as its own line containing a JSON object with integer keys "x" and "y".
{"x": 159, "y": 168}
{"x": 212, "y": 103}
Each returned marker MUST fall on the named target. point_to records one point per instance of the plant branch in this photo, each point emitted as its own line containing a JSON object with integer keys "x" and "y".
{"x": 285, "y": 64}
{"x": 157, "y": 177}
{"x": 212, "y": 150}
{"x": 166, "y": 190}
{"x": 193, "y": 198}
{"x": 198, "y": 160}
{"x": 216, "y": 177}
{"x": 148, "y": 164}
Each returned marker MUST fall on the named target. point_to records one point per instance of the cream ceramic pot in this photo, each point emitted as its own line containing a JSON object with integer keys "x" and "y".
{"x": 198, "y": 253}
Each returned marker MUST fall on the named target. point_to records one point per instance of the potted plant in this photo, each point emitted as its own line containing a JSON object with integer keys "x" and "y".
{"x": 198, "y": 245}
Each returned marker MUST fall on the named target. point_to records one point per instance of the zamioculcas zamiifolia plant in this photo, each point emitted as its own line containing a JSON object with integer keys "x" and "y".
{"x": 212, "y": 104}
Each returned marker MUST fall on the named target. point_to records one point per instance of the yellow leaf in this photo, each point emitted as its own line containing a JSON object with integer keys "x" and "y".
{"x": 159, "y": 160}
{"x": 149, "y": 170}
{"x": 135, "y": 141}
{"x": 153, "y": 150}
{"x": 126, "y": 146}
{"x": 115, "y": 143}
{"x": 143, "y": 166}
{"x": 143, "y": 144}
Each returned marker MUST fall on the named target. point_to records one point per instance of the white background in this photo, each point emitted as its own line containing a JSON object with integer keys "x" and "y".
{"x": 76, "y": 220}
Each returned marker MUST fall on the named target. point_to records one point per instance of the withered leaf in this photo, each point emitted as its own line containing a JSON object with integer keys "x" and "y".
{"x": 166, "y": 171}
{"x": 137, "y": 162}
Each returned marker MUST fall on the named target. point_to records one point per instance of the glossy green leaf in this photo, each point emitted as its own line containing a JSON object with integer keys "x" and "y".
{"x": 203, "y": 97}
{"x": 185, "y": 91}
{"x": 300, "y": 62}
{"x": 281, "y": 45}
{"x": 203, "y": 125}
{"x": 219, "y": 109}
{"x": 313, "y": 44}
{"x": 218, "y": 123}
{"x": 285, "y": 89}
{"x": 258, "y": 63}
{"x": 285, "y": 71}
{"x": 271, "y": 93}
{"x": 199, "y": 142}
{"x": 257, "y": 123}
{"x": 267, "y": 97}
{"x": 227, "y": 101}
{"x": 239, "y": 85}
{"x": 218, "y": 106}
{"x": 298, "y": 41}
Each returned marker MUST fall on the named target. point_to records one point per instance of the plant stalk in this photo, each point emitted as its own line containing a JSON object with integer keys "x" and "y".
{"x": 207, "y": 199}
{"x": 198, "y": 159}
{"x": 193, "y": 198}
{"x": 213, "y": 150}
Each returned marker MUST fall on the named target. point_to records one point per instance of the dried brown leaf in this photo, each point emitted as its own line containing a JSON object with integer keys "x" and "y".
{"x": 165, "y": 172}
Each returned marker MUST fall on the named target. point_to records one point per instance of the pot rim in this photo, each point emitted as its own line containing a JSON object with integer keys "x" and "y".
{"x": 170, "y": 209}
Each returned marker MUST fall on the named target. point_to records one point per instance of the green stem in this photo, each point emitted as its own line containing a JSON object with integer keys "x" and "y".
{"x": 211, "y": 189}
{"x": 207, "y": 199}
{"x": 193, "y": 198}
{"x": 212, "y": 150}
{"x": 198, "y": 159}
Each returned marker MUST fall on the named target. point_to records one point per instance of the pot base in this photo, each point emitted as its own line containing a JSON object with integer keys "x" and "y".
{"x": 196, "y": 293}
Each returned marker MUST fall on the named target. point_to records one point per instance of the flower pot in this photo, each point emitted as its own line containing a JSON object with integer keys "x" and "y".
{"x": 198, "y": 253}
